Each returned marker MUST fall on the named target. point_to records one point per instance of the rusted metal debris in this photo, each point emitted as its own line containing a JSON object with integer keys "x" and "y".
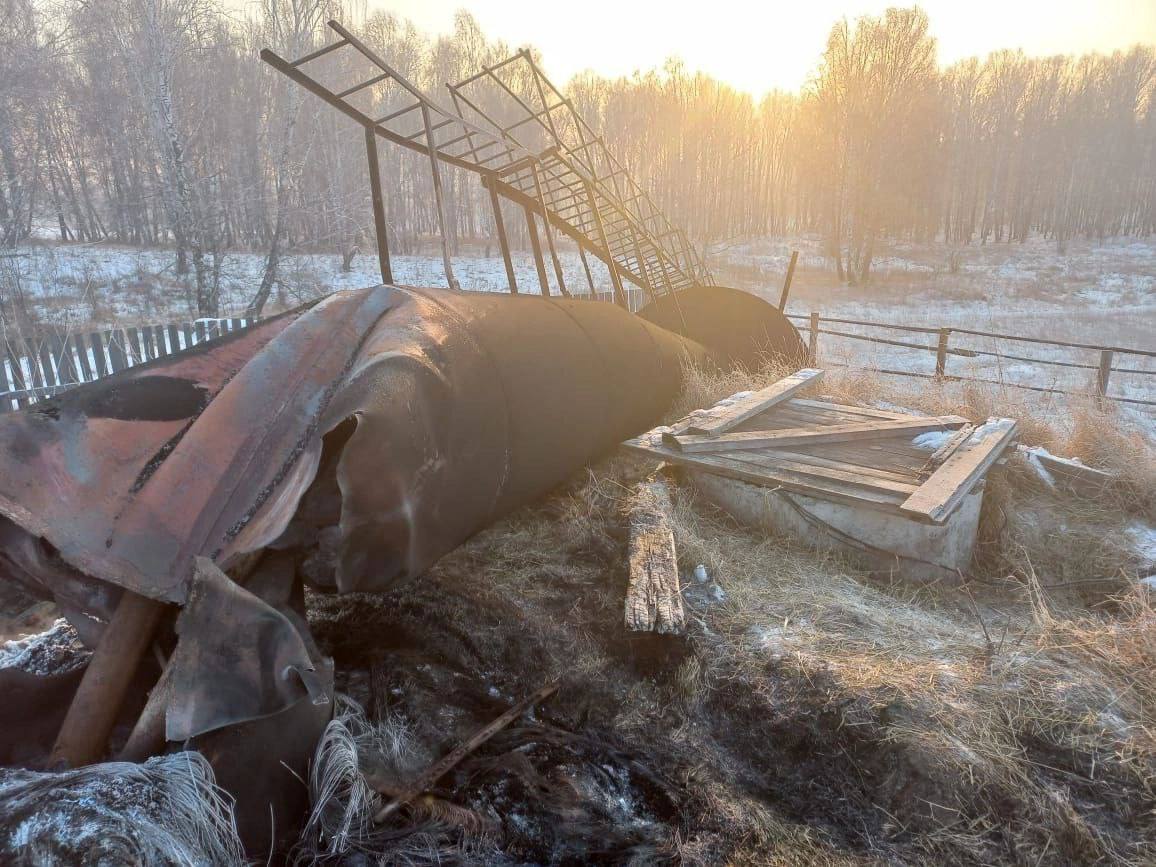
{"x": 348, "y": 444}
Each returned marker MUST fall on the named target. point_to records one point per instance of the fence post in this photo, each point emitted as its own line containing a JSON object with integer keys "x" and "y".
{"x": 813, "y": 339}
{"x": 787, "y": 282}
{"x": 941, "y": 353}
{"x": 1104, "y": 373}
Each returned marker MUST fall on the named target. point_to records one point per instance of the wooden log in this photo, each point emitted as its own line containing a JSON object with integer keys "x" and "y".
{"x": 148, "y": 735}
{"x": 84, "y": 734}
{"x": 653, "y": 596}
{"x": 787, "y": 282}
{"x": 440, "y": 768}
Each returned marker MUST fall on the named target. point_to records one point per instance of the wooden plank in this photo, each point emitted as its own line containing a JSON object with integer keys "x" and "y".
{"x": 60, "y": 361}
{"x": 775, "y": 478}
{"x": 15, "y": 371}
{"x": 722, "y": 419}
{"x": 902, "y": 475}
{"x": 867, "y": 411}
{"x": 948, "y": 485}
{"x": 132, "y": 346}
{"x": 159, "y": 332}
{"x": 87, "y": 373}
{"x": 800, "y": 436}
{"x": 653, "y": 596}
{"x": 849, "y": 475}
{"x": 96, "y": 340}
{"x": 52, "y": 375}
{"x": 116, "y": 352}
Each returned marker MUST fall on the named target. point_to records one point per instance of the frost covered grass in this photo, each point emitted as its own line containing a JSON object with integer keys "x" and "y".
{"x": 167, "y": 810}
{"x": 816, "y": 713}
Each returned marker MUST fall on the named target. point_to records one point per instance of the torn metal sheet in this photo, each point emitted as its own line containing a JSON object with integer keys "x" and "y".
{"x": 350, "y": 443}
{"x": 462, "y": 407}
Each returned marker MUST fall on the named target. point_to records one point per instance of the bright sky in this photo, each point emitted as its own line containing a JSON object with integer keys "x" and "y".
{"x": 760, "y": 45}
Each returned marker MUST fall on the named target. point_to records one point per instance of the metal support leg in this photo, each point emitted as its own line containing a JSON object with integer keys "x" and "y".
{"x": 378, "y": 207}
{"x": 503, "y": 241}
{"x": 443, "y": 222}
{"x": 532, "y": 228}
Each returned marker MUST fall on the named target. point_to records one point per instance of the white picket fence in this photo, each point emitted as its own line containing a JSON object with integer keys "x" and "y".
{"x": 35, "y": 367}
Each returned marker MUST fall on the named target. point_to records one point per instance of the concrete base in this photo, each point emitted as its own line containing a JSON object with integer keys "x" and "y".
{"x": 882, "y": 540}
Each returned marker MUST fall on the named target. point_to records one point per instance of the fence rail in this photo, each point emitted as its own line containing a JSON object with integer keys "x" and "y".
{"x": 40, "y": 366}
{"x": 1104, "y": 367}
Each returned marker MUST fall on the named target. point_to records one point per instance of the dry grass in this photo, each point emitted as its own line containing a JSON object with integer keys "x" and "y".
{"x": 818, "y": 714}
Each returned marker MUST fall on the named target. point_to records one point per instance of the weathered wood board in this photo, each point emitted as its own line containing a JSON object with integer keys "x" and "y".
{"x": 919, "y": 467}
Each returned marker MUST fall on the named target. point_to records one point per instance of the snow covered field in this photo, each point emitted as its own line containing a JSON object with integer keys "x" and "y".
{"x": 83, "y": 286}
{"x": 1089, "y": 293}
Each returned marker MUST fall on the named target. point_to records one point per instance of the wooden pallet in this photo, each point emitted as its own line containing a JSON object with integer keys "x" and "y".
{"x": 851, "y": 454}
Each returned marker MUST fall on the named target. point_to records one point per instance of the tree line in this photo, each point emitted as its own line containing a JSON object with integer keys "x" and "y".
{"x": 152, "y": 122}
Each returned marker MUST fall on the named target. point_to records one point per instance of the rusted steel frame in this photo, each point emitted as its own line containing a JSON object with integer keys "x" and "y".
{"x": 468, "y": 137}
{"x": 394, "y": 115}
{"x": 488, "y": 70}
{"x": 349, "y": 91}
{"x": 521, "y": 102}
{"x": 546, "y": 107}
{"x": 597, "y": 141}
{"x": 442, "y": 124}
{"x": 619, "y": 295}
{"x": 550, "y": 237}
{"x": 345, "y": 108}
{"x": 439, "y": 200}
{"x": 586, "y": 268}
{"x": 504, "y": 136}
{"x": 617, "y": 207}
{"x": 500, "y": 226}
{"x": 83, "y": 736}
{"x": 601, "y": 251}
{"x": 430, "y": 148}
{"x": 447, "y": 763}
{"x": 426, "y": 103}
{"x": 375, "y": 193}
{"x": 320, "y": 52}
{"x": 536, "y": 246}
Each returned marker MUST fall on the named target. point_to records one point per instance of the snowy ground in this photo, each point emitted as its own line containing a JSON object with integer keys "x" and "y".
{"x": 1090, "y": 293}
{"x": 95, "y": 286}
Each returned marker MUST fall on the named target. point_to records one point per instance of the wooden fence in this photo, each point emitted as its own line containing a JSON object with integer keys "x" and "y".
{"x": 39, "y": 366}
{"x": 1101, "y": 361}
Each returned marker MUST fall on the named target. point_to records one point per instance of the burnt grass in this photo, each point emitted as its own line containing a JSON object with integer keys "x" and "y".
{"x": 634, "y": 761}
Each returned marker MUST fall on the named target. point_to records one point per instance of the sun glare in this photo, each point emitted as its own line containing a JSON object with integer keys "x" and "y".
{"x": 761, "y": 46}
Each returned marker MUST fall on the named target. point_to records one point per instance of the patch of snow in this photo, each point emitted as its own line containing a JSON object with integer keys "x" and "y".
{"x": 1143, "y": 540}
{"x": 933, "y": 440}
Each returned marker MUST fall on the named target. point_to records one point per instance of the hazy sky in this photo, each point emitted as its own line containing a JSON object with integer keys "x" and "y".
{"x": 758, "y": 46}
